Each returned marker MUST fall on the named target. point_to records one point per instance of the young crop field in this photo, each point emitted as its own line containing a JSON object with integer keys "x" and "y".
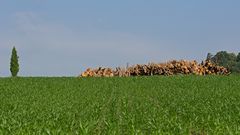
{"x": 133, "y": 105}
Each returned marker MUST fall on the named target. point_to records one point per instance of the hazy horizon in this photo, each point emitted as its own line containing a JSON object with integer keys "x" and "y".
{"x": 63, "y": 38}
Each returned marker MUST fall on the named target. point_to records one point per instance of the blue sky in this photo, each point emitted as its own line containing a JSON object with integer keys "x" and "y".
{"x": 63, "y": 38}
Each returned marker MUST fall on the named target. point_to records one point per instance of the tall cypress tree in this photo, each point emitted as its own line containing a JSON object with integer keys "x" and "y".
{"x": 14, "y": 66}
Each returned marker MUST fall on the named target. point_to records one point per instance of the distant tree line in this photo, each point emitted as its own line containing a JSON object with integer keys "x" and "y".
{"x": 228, "y": 60}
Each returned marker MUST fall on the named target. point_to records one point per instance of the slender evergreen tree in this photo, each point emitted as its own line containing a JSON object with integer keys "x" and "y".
{"x": 14, "y": 66}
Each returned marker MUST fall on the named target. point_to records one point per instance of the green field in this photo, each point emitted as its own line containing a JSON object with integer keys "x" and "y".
{"x": 134, "y": 105}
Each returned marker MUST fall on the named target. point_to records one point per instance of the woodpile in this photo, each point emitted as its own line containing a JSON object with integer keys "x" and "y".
{"x": 99, "y": 72}
{"x": 170, "y": 68}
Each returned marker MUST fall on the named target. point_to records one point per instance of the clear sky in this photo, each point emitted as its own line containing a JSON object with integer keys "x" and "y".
{"x": 64, "y": 37}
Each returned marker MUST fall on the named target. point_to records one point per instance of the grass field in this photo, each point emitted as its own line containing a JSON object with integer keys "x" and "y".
{"x": 141, "y": 105}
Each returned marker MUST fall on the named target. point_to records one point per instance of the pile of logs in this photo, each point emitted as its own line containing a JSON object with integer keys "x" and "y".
{"x": 170, "y": 68}
{"x": 99, "y": 72}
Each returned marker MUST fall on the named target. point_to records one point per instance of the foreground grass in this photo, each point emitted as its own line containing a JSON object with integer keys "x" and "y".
{"x": 146, "y": 105}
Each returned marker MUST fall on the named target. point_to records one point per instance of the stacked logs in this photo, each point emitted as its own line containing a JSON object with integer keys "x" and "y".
{"x": 170, "y": 68}
{"x": 99, "y": 72}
